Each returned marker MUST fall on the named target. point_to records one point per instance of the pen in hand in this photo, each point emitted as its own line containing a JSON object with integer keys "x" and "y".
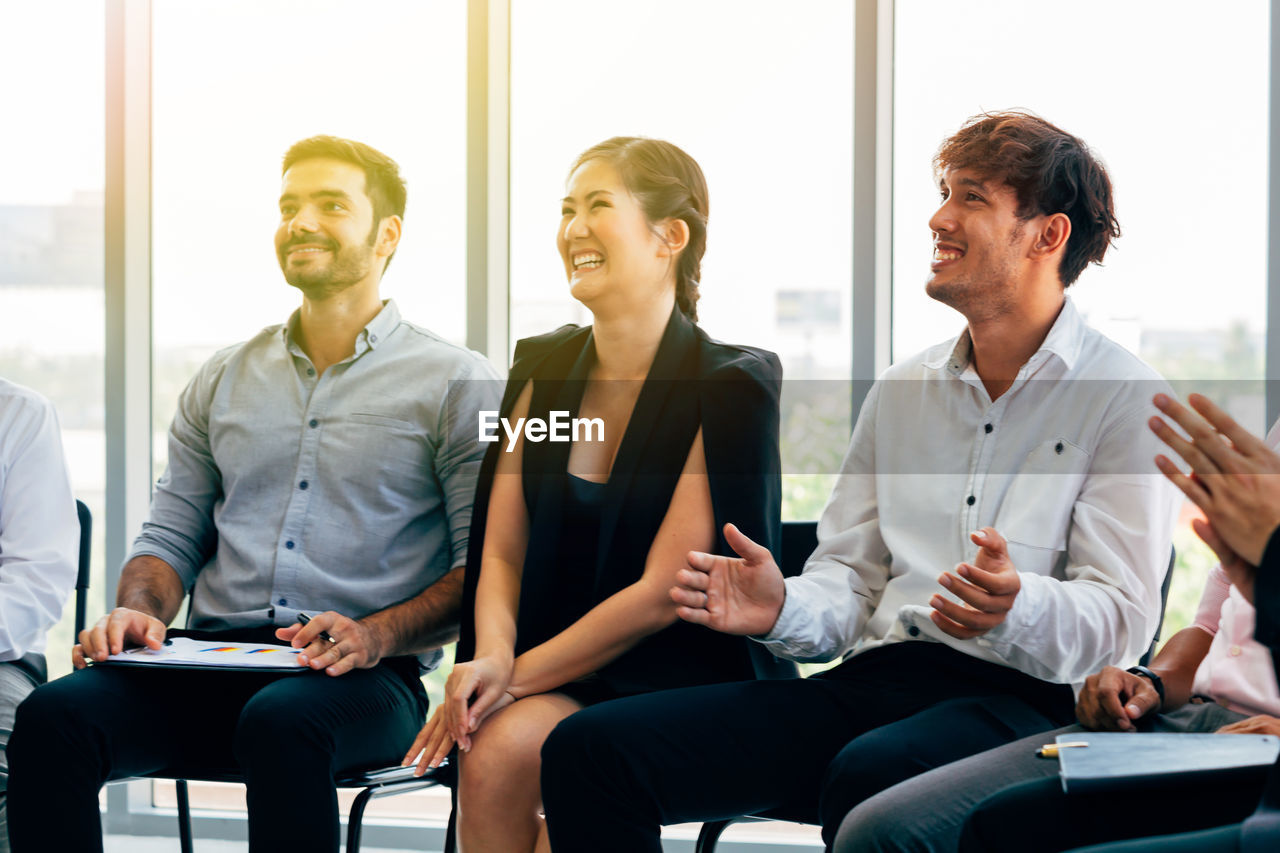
{"x": 303, "y": 619}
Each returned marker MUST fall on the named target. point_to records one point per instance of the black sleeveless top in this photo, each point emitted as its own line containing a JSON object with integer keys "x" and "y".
{"x": 577, "y": 554}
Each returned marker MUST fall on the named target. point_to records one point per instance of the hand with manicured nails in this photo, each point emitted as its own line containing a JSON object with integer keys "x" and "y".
{"x": 475, "y": 690}
{"x": 1112, "y": 699}
{"x": 433, "y": 741}
{"x": 115, "y": 631}
{"x": 1233, "y": 474}
{"x": 736, "y": 595}
{"x": 988, "y": 587}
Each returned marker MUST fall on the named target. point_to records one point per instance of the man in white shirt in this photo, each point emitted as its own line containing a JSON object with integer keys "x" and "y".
{"x": 995, "y": 536}
{"x": 38, "y": 537}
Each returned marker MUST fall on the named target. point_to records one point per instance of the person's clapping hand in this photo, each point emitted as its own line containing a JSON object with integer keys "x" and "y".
{"x": 736, "y": 595}
{"x": 1233, "y": 478}
{"x": 988, "y": 587}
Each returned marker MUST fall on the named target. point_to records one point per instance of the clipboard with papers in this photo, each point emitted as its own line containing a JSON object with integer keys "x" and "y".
{"x": 190, "y": 653}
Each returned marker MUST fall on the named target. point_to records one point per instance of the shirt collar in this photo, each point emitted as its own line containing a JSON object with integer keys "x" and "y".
{"x": 1066, "y": 336}
{"x": 381, "y": 326}
{"x": 1065, "y": 339}
{"x": 957, "y": 358}
{"x": 375, "y": 332}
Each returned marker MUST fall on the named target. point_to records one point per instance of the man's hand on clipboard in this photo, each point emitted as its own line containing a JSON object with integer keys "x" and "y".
{"x": 333, "y": 642}
{"x": 113, "y": 632}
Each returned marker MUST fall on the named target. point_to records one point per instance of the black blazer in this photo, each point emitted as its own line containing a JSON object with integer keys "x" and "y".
{"x": 732, "y": 393}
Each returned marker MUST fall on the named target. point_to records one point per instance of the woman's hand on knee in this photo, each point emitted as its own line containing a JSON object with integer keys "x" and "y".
{"x": 471, "y": 692}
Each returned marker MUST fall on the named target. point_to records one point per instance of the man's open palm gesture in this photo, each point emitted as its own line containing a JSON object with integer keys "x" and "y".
{"x": 736, "y": 595}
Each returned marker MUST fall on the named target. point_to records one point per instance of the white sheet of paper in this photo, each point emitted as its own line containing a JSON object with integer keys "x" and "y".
{"x": 184, "y": 651}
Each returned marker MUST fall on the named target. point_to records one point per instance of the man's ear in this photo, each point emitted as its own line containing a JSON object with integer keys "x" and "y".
{"x": 388, "y": 235}
{"x": 1052, "y": 236}
{"x": 674, "y": 234}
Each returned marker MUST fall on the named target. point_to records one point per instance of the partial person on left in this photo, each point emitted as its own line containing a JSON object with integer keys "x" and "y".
{"x": 38, "y": 536}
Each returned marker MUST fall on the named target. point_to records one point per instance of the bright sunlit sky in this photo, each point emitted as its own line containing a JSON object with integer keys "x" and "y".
{"x": 1171, "y": 94}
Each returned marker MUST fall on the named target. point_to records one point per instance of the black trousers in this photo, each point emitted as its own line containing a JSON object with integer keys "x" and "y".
{"x": 615, "y": 773}
{"x": 1005, "y": 821}
{"x": 1224, "y": 839}
{"x": 286, "y": 734}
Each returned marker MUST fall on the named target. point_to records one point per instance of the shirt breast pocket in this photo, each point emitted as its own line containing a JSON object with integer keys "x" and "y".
{"x": 392, "y": 451}
{"x": 1035, "y": 516}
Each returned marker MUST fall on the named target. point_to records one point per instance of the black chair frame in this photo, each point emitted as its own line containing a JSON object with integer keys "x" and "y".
{"x": 382, "y": 782}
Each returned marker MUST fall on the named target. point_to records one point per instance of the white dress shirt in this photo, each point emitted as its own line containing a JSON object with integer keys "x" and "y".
{"x": 39, "y": 531}
{"x": 1061, "y": 465}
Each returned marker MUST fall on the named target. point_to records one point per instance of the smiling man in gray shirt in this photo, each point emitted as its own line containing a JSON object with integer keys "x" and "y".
{"x": 325, "y": 466}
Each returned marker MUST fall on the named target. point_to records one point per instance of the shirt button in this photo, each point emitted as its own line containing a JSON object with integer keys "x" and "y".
{"x": 913, "y": 631}
{"x": 289, "y": 544}
{"x": 282, "y": 602}
{"x": 373, "y": 339}
{"x": 313, "y": 423}
{"x": 311, "y": 371}
{"x": 1057, "y": 448}
{"x": 1235, "y": 651}
{"x": 971, "y": 500}
{"x": 988, "y": 428}
{"x": 303, "y": 485}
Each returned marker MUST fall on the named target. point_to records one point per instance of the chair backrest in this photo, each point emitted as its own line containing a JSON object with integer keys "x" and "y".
{"x": 82, "y": 571}
{"x": 799, "y": 539}
{"x": 1164, "y": 601}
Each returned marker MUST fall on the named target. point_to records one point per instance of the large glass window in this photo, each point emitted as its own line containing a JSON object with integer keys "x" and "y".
{"x": 1175, "y": 101}
{"x": 762, "y": 99}
{"x": 51, "y": 239}
{"x": 234, "y": 84}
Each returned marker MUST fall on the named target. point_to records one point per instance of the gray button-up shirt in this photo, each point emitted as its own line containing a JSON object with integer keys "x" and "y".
{"x": 289, "y": 491}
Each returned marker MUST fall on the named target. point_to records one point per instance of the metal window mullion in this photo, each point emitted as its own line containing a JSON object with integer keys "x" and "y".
{"x": 488, "y": 177}
{"x": 872, "y": 192}
{"x": 127, "y": 288}
{"x": 1273, "y": 227}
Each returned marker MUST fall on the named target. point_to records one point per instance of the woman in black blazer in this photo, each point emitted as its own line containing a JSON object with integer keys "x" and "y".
{"x": 566, "y": 602}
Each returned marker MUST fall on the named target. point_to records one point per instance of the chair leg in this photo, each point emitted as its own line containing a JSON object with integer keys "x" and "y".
{"x": 355, "y": 818}
{"x": 451, "y": 832}
{"x": 184, "y": 817}
{"x": 710, "y": 834}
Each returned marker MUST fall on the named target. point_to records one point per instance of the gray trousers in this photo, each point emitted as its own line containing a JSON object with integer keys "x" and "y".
{"x": 15, "y": 683}
{"x": 926, "y": 814}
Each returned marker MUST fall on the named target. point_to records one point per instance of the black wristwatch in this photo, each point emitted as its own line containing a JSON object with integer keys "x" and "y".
{"x": 1155, "y": 680}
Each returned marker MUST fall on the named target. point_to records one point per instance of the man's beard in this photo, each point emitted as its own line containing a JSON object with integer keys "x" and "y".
{"x": 981, "y": 299}
{"x": 346, "y": 266}
{"x": 976, "y": 300}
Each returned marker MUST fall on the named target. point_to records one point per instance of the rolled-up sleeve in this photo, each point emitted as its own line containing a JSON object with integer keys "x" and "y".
{"x": 180, "y": 528}
{"x": 459, "y": 456}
